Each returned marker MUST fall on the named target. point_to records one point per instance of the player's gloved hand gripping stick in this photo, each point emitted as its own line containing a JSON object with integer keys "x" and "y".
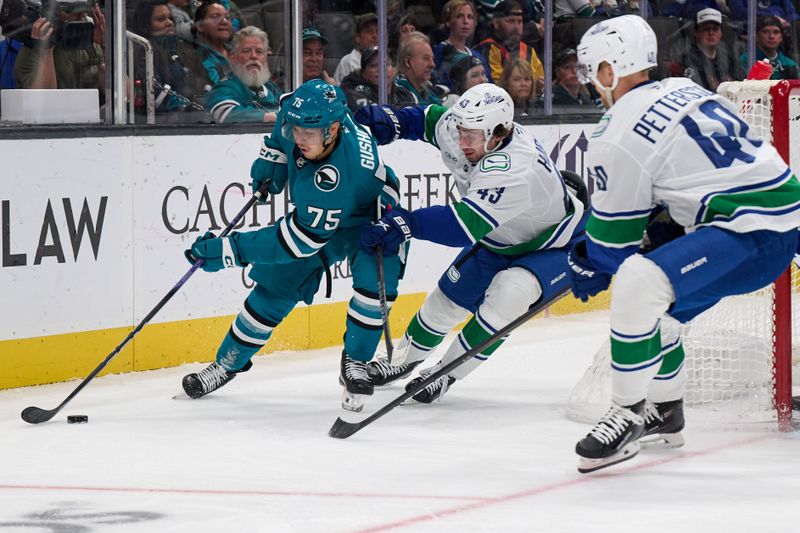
{"x": 37, "y": 415}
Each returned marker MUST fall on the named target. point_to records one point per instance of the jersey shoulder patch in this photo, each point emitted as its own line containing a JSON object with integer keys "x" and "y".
{"x": 499, "y": 161}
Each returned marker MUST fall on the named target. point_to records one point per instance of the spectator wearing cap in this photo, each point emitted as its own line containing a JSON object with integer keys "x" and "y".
{"x": 366, "y": 37}
{"x": 505, "y": 42}
{"x": 769, "y": 38}
{"x": 213, "y": 31}
{"x": 361, "y": 86}
{"x": 460, "y": 17}
{"x": 707, "y": 60}
{"x": 412, "y": 83}
{"x": 567, "y": 89}
{"x": 467, "y": 71}
{"x": 784, "y": 10}
{"x": 247, "y": 94}
{"x": 314, "y": 56}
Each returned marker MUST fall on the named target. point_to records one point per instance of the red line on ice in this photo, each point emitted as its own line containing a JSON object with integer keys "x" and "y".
{"x": 546, "y": 489}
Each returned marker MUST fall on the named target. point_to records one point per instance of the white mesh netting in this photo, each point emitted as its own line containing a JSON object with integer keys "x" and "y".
{"x": 729, "y": 349}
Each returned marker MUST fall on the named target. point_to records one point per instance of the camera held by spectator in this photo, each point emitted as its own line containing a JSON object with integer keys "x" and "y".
{"x": 17, "y": 19}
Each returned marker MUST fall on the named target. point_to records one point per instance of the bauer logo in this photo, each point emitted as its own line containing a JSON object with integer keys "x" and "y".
{"x": 326, "y": 178}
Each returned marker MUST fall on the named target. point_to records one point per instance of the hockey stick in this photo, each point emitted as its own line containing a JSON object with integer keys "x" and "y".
{"x": 387, "y": 335}
{"x": 37, "y": 415}
{"x": 342, "y": 429}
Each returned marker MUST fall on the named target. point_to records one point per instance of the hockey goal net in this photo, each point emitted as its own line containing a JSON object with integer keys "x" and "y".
{"x": 741, "y": 353}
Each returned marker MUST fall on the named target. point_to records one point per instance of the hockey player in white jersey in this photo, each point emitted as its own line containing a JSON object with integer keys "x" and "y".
{"x": 515, "y": 221}
{"x": 668, "y": 145}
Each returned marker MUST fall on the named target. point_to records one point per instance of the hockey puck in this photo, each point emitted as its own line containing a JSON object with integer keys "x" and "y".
{"x": 77, "y": 419}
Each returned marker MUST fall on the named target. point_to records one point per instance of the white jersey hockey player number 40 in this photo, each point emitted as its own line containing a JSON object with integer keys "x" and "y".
{"x": 674, "y": 146}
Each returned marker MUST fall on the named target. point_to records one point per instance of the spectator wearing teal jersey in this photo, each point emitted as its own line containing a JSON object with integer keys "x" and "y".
{"x": 213, "y": 31}
{"x": 769, "y": 38}
{"x": 248, "y": 94}
{"x": 415, "y": 65}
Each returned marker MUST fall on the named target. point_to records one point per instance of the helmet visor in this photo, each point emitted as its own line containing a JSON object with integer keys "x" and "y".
{"x": 303, "y": 136}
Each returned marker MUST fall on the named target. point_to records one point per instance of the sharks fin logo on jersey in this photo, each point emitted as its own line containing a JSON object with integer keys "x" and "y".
{"x": 498, "y": 161}
{"x": 326, "y": 178}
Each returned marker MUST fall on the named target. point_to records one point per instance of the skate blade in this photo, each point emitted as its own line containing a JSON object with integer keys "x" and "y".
{"x": 586, "y": 465}
{"x": 662, "y": 441}
{"x": 352, "y": 402}
{"x": 181, "y": 396}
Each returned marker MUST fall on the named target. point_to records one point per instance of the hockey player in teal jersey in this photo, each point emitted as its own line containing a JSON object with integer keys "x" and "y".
{"x": 336, "y": 179}
{"x": 675, "y": 146}
{"x": 514, "y": 221}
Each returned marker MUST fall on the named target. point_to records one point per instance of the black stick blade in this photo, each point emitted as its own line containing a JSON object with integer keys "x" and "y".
{"x": 35, "y": 415}
{"x": 341, "y": 429}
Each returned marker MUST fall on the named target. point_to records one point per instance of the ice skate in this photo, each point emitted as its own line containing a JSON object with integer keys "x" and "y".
{"x": 613, "y": 440}
{"x": 435, "y": 390}
{"x": 381, "y": 372}
{"x": 356, "y": 382}
{"x": 663, "y": 423}
{"x": 209, "y": 379}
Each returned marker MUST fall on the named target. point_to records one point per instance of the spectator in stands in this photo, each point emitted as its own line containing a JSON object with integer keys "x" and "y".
{"x": 248, "y": 94}
{"x": 213, "y": 31}
{"x": 400, "y": 29}
{"x": 567, "y": 90}
{"x": 689, "y": 8}
{"x": 182, "y": 17}
{"x": 707, "y": 60}
{"x": 314, "y": 56}
{"x": 361, "y": 86}
{"x": 411, "y": 84}
{"x": 179, "y": 78}
{"x": 505, "y": 43}
{"x": 519, "y": 81}
{"x": 366, "y": 37}
{"x": 769, "y": 38}
{"x": 467, "y": 71}
{"x": 9, "y": 50}
{"x": 784, "y": 10}
{"x": 460, "y": 17}
{"x": 53, "y": 64}
{"x": 566, "y": 9}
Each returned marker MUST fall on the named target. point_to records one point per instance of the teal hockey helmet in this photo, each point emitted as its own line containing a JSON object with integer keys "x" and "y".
{"x": 315, "y": 104}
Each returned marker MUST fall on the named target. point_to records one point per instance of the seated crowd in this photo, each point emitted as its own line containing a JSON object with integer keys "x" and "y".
{"x": 212, "y": 62}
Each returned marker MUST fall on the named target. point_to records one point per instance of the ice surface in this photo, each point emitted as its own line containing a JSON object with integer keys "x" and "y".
{"x": 497, "y": 454}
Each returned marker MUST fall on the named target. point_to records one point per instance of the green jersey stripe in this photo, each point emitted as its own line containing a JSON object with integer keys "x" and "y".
{"x": 616, "y": 233}
{"x": 472, "y": 221}
{"x": 726, "y": 205}
{"x": 432, "y": 115}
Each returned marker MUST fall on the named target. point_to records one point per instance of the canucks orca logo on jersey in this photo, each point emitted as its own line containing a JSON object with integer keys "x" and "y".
{"x": 326, "y": 178}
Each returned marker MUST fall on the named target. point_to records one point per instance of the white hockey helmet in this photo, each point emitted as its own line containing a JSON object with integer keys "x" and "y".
{"x": 484, "y": 107}
{"x": 627, "y": 43}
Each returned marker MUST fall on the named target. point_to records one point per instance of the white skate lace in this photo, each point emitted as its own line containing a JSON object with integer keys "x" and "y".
{"x": 651, "y": 413}
{"x": 614, "y": 423}
{"x": 442, "y": 383}
{"x": 355, "y": 370}
{"x": 212, "y": 377}
{"x": 388, "y": 370}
